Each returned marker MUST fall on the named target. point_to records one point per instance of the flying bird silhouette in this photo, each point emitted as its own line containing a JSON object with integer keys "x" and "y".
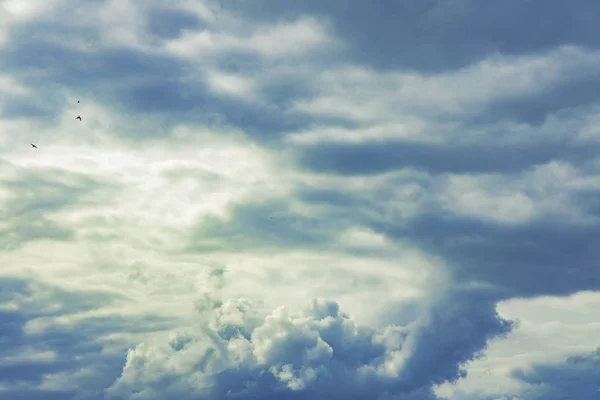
{"x": 79, "y": 118}
{"x": 33, "y": 145}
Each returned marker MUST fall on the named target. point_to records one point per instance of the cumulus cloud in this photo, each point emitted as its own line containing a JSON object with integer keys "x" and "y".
{"x": 321, "y": 352}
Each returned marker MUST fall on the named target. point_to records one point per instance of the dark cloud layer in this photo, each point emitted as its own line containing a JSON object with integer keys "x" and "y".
{"x": 535, "y": 109}
{"x": 167, "y": 89}
{"x": 434, "y": 36}
{"x": 83, "y": 366}
{"x": 157, "y": 87}
{"x": 369, "y": 159}
{"x": 541, "y": 258}
{"x": 578, "y": 378}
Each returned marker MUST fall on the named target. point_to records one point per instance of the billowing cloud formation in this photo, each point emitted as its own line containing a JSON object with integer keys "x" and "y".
{"x": 318, "y": 353}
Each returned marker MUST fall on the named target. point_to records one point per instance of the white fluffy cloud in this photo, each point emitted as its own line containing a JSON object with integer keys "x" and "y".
{"x": 244, "y": 352}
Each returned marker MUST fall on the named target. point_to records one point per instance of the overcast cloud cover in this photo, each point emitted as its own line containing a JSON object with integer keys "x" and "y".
{"x": 317, "y": 199}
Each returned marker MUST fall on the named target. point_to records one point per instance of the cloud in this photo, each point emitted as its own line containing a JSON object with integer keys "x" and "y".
{"x": 33, "y": 195}
{"x": 170, "y": 23}
{"x": 576, "y": 376}
{"x": 451, "y": 93}
{"x": 49, "y": 347}
{"x": 505, "y": 229}
{"x": 413, "y": 164}
{"x": 114, "y": 42}
{"x": 320, "y": 352}
{"x": 306, "y": 33}
{"x": 439, "y": 36}
{"x": 547, "y": 331}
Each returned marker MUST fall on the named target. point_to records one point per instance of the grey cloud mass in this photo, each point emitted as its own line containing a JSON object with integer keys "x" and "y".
{"x": 319, "y": 353}
{"x": 404, "y": 168}
{"x": 578, "y": 374}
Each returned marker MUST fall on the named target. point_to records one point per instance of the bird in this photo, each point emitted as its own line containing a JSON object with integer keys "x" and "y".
{"x": 33, "y": 145}
{"x": 79, "y": 118}
{"x": 78, "y": 101}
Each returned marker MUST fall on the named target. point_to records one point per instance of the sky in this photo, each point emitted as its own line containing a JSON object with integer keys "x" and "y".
{"x": 317, "y": 199}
